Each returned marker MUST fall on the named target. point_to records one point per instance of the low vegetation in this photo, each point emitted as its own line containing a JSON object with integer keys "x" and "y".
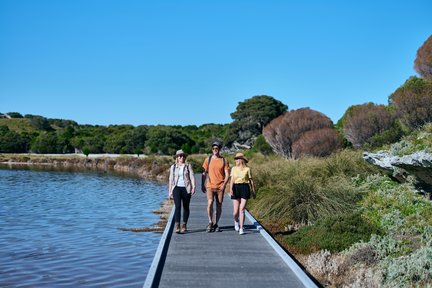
{"x": 340, "y": 217}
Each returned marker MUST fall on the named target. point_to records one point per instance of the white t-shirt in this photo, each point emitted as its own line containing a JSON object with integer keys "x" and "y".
{"x": 180, "y": 181}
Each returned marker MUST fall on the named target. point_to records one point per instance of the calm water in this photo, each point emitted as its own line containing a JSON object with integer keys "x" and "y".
{"x": 59, "y": 229}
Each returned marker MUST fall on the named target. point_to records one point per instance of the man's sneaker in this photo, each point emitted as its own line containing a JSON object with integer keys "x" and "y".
{"x": 241, "y": 231}
{"x": 236, "y": 226}
{"x": 209, "y": 228}
{"x": 216, "y": 228}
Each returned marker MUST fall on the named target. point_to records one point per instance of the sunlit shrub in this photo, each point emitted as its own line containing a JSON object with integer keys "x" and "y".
{"x": 334, "y": 233}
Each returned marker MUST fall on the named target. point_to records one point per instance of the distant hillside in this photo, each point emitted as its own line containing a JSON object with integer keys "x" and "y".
{"x": 18, "y": 125}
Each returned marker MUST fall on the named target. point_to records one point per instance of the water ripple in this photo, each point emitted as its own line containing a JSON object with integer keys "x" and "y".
{"x": 60, "y": 229}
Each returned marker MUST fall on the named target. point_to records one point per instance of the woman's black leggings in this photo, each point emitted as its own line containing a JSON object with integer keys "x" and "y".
{"x": 180, "y": 194}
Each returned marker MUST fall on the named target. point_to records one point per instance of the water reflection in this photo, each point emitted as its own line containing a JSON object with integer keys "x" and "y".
{"x": 60, "y": 229}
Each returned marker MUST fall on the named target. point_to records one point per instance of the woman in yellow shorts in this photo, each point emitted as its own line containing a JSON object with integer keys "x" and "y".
{"x": 242, "y": 188}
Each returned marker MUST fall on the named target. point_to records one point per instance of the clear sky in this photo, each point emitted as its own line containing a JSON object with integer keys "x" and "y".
{"x": 191, "y": 62}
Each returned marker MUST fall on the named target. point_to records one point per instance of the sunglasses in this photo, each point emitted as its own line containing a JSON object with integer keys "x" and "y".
{"x": 215, "y": 148}
{"x": 181, "y": 156}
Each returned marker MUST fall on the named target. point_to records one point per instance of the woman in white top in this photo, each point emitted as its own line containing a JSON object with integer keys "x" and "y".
{"x": 242, "y": 188}
{"x": 181, "y": 187}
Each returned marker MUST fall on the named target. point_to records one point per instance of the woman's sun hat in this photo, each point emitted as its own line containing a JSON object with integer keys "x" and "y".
{"x": 180, "y": 152}
{"x": 240, "y": 156}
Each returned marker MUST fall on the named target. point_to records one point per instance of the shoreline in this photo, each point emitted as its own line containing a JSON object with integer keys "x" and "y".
{"x": 148, "y": 168}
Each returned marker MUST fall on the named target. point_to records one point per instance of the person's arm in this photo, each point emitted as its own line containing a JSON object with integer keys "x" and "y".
{"x": 192, "y": 178}
{"x": 203, "y": 179}
{"x": 227, "y": 171}
{"x": 170, "y": 183}
{"x": 252, "y": 184}
{"x": 232, "y": 186}
{"x": 204, "y": 175}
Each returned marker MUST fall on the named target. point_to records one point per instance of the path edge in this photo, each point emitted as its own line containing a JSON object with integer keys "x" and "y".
{"x": 153, "y": 275}
{"x": 298, "y": 271}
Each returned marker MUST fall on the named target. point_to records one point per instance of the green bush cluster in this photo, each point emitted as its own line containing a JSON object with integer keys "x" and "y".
{"x": 303, "y": 191}
{"x": 420, "y": 139}
{"x": 333, "y": 233}
{"x": 402, "y": 253}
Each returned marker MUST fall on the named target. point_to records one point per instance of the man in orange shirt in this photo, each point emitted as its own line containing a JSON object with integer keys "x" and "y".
{"x": 216, "y": 172}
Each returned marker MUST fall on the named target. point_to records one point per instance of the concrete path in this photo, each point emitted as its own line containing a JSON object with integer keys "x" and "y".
{"x": 219, "y": 259}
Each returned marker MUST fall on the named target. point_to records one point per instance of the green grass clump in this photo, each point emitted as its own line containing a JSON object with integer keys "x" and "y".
{"x": 334, "y": 234}
{"x": 303, "y": 191}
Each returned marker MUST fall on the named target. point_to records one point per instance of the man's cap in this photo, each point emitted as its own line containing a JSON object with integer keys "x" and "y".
{"x": 217, "y": 143}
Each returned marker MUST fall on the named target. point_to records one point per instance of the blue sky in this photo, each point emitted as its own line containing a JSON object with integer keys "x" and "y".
{"x": 191, "y": 62}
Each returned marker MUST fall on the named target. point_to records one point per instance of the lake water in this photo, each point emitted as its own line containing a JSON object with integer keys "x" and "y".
{"x": 60, "y": 229}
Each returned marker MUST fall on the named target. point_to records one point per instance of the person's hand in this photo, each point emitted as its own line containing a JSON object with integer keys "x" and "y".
{"x": 193, "y": 190}
{"x": 170, "y": 196}
{"x": 253, "y": 195}
{"x": 222, "y": 187}
{"x": 203, "y": 189}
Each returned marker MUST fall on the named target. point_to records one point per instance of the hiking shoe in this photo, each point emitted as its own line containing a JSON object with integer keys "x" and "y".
{"x": 216, "y": 228}
{"x": 209, "y": 228}
{"x": 236, "y": 226}
{"x": 241, "y": 231}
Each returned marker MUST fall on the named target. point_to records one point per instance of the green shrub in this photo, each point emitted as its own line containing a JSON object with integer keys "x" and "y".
{"x": 300, "y": 192}
{"x": 420, "y": 139}
{"x": 406, "y": 271}
{"x": 334, "y": 233}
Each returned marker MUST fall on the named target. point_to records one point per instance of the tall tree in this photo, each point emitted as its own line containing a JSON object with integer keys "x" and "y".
{"x": 413, "y": 102}
{"x": 423, "y": 61}
{"x": 251, "y": 116}
{"x": 361, "y": 122}
{"x": 283, "y": 132}
{"x": 166, "y": 140}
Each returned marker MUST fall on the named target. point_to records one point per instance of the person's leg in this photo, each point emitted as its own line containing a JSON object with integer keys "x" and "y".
{"x": 177, "y": 211}
{"x": 186, "y": 202}
{"x": 209, "y": 209}
{"x": 242, "y": 212}
{"x": 236, "y": 206}
{"x": 219, "y": 200}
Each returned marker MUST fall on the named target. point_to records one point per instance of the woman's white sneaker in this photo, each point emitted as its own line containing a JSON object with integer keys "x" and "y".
{"x": 236, "y": 226}
{"x": 241, "y": 231}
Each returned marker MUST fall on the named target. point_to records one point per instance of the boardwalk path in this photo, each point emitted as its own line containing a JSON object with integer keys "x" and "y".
{"x": 220, "y": 259}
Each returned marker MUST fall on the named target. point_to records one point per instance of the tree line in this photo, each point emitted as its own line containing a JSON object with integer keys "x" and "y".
{"x": 260, "y": 122}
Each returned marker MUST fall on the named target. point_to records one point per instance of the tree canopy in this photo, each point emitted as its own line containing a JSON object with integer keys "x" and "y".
{"x": 423, "y": 61}
{"x": 297, "y": 133}
{"x": 361, "y": 122}
{"x": 413, "y": 102}
{"x": 251, "y": 116}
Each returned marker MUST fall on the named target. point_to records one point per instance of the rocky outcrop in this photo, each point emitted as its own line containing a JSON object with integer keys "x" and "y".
{"x": 418, "y": 165}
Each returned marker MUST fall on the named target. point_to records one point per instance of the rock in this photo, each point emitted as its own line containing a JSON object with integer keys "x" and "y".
{"x": 418, "y": 165}
{"x": 239, "y": 146}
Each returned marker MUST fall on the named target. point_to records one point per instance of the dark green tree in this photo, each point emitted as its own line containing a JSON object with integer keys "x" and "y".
{"x": 46, "y": 142}
{"x": 11, "y": 142}
{"x": 15, "y": 115}
{"x": 262, "y": 146}
{"x": 251, "y": 116}
{"x": 166, "y": 140}
{"x": 39, "y": 122}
